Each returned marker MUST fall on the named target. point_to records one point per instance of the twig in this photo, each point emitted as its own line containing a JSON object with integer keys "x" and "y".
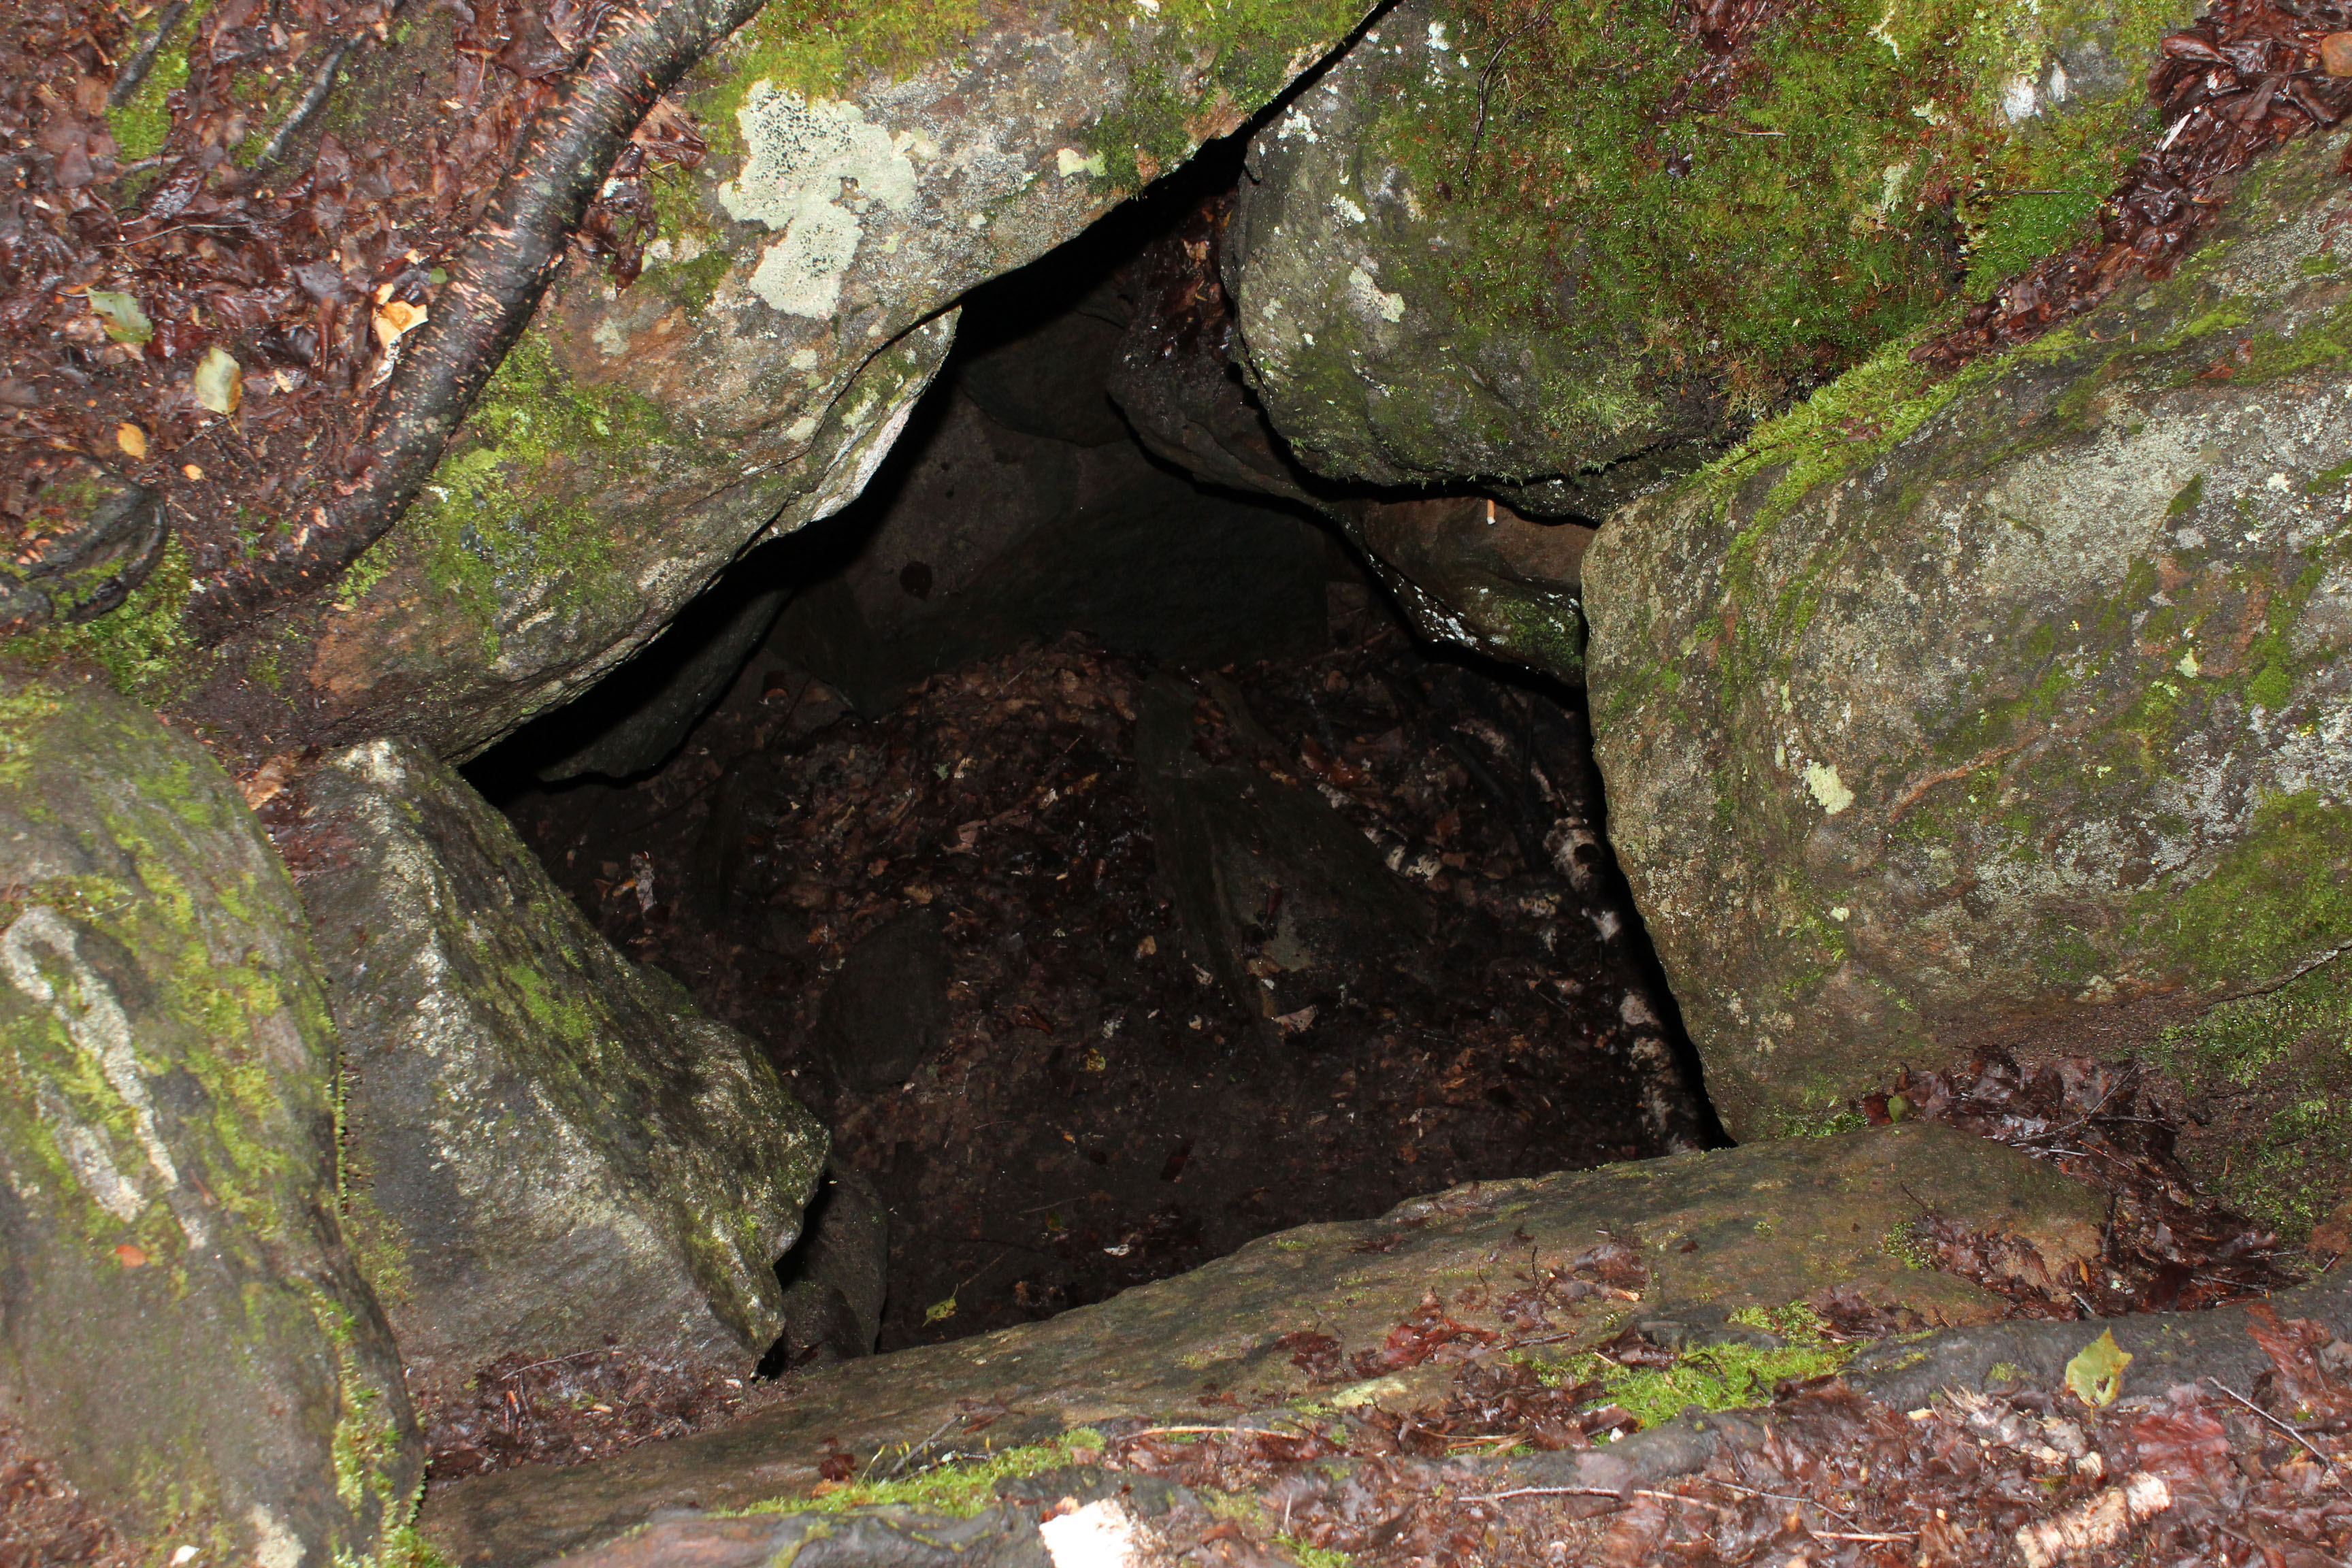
{"x": 1486, "y": 83}
{"x": 1617, "y": 1497}
{"x": 912, "y": 1449}
{"x": 1219, "y": 1431}
{"x": 2273, "y": 1420}
{"x": 552, "y": 1361}
{"x": 1782, "y": 1497}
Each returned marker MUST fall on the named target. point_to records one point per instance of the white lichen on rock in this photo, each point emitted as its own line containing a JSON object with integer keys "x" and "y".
{"x": 813, "y": 172}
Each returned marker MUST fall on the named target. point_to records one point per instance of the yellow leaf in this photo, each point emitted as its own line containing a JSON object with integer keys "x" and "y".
{"x": 130, "y": 438}
{"x": 2097, "y": 1375}
{"x": 219, "y": 380}
{"x": 395, "y": 319}
{"x": 940, "y": 1311}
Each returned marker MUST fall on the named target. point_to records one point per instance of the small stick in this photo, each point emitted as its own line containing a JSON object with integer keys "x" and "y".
{"x": 936, "y": 1433}
{"x": 1219, "y": 1431}
{"x": 1549, "y": 1492}
{"x": 2273, "y": 1420}
{"x": 1780, "y": 1497}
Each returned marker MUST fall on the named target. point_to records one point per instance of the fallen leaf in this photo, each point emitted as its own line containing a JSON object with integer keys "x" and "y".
{"x": 119, "y": 314}
{"x": 219, "y": 380}
{"x": 131, "y": 439}
{"x": 2097, "y": 1375}
{"x": 939, "y": 1311}
{"x": 396, "y": 319}
{"x": 130, "y": 1255}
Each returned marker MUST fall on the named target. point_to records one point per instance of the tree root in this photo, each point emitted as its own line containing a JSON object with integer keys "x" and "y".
{"x": 494, "y": 287}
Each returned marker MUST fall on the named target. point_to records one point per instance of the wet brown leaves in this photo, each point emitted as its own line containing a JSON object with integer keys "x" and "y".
{"x": 307, "y": 270}
{"x": 43, "y": 1519}
{"x": 1100, "y": 1113}
{"x": 2247, "y": 77}
{"x": 2168, "y": 1246}
{"x": 521, "y": 1410}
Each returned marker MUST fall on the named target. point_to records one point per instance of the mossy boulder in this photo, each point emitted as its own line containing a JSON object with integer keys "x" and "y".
{"x": 866, "y": 170}
{"x": 181, "y": 1327}
{"x": 548, "y": 1150}
{"x": 1569, "y": 250}
{"x": 2012, "y": 709}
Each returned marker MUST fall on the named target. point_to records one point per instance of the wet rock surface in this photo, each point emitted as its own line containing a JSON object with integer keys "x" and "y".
{"x": 1385, "y": 1311}
{"x": 183, "y": 1328}
{"x": 2035, "y": 737}
{"x": 550, "y": 1152}
{"x": 836, "y": 1280}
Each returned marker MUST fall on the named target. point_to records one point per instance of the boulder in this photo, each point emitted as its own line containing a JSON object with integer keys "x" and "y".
{"x": 550, "y": 1150}
{"x": 634, "y": 718}
{"x": 836, "y": 1278}
{"x": 1730, "y": 1229}
{"x": 1571, "y": 256}
{"x": 1465, "y": 569}
{"x": 2025, "y": 717}
{"x": 181, "y": 1325}
{"x": 794, "y": 303}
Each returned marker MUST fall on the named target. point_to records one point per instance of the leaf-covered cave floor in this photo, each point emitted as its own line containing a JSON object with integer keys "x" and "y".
{"x": 1098, "y": 1110}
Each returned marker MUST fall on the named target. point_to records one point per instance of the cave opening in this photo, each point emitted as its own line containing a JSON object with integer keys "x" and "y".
{"x": 1099, "y": 849}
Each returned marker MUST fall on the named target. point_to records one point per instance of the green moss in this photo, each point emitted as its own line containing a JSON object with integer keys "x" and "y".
{"x": 958, "y": 1489}
{"x": 2282, "y": 895}
{"x": 142, "y": 644}
{"x": 142, "y": 125}
{"x": 2021, "y": 229}
{"x": 2288, "y": 1052}
{"x": 1907, "y": 1247}
{"x": 822, "y": 47}
{"x": 2191, "y": 495}
{"x": 496, "y": 513}
{"x": 1546, "y": 630}
{"x": 1833, "y": 1116}
{"x": 1785, "y": 230}
{"x": 1726, "y": 1376}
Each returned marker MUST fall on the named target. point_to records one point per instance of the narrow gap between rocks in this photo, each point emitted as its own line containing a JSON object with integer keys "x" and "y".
{"x": 1102, "y": 857}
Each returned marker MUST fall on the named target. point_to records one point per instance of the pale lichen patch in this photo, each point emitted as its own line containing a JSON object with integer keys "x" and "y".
{"x": 814, "y": 170}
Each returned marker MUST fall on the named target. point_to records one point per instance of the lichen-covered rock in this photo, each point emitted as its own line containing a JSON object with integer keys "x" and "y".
{"x": 181, "y": 1326}
{"x": 1735, "y": 1228}
{"x": 864, "y": 172}
{"x": 547, "y": 1145}
{"x": 2015, "y": 710}
{"x": 1566, "y": 252}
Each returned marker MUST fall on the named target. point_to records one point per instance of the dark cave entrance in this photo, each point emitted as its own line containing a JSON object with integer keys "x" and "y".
{"x": 1101, "y": 856}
